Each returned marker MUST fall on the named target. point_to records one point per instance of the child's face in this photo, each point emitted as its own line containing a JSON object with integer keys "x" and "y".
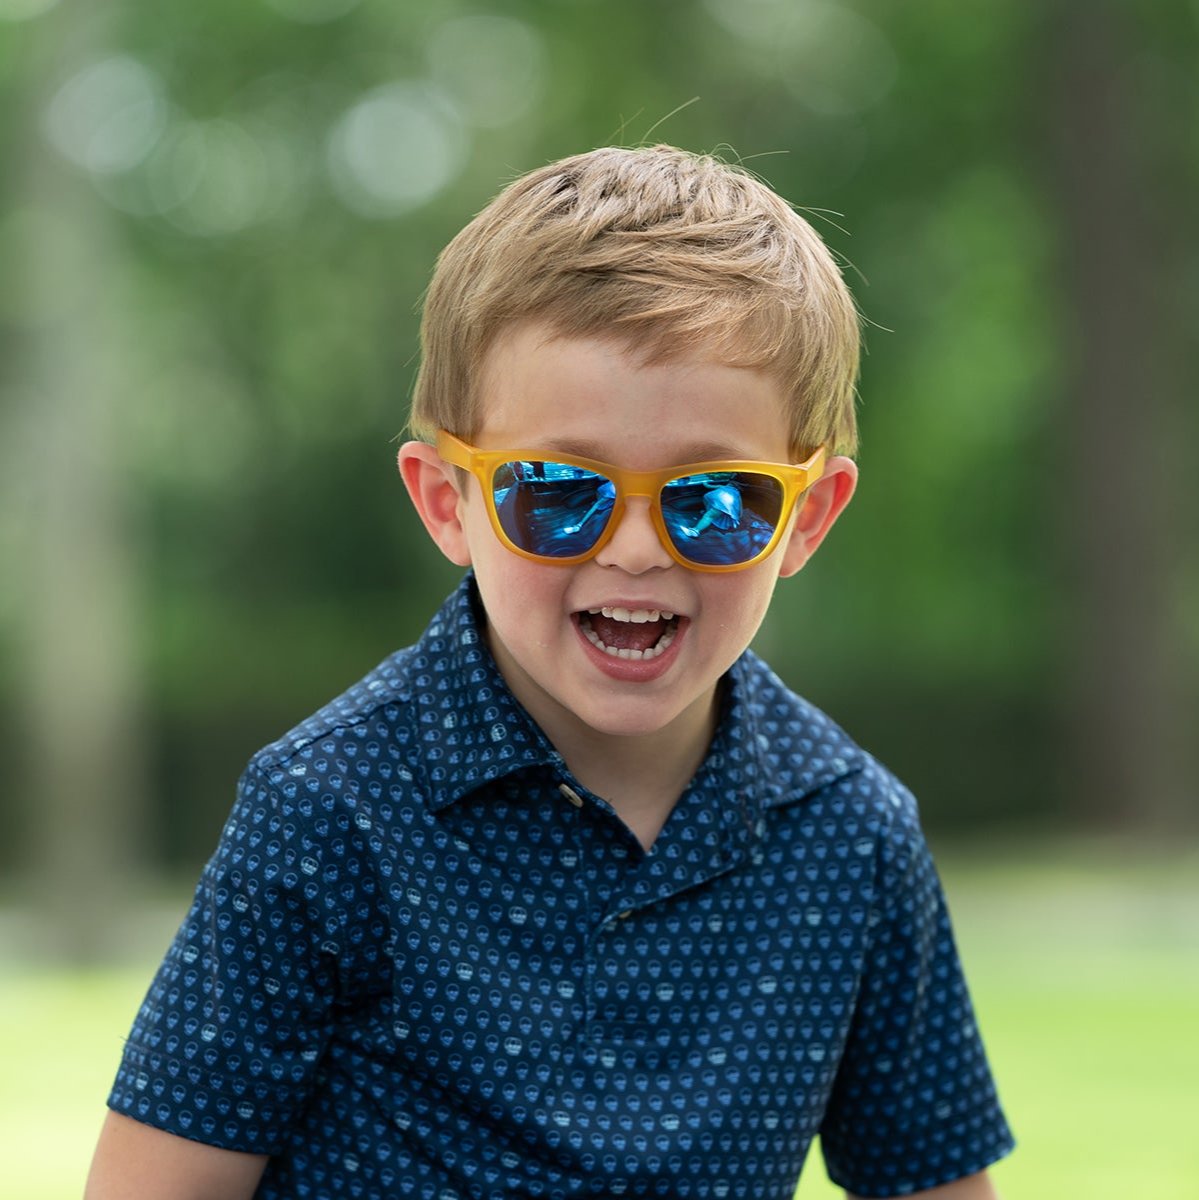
{"x": 595, "y": 399}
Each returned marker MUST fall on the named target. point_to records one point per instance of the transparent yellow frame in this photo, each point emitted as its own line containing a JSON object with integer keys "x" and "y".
{"x": 482, "y": 464}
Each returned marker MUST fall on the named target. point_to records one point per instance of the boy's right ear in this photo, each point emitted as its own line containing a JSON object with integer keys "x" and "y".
{"x": 433, "y": 486}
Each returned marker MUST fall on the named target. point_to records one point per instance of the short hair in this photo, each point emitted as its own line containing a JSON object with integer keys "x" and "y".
{"x": 671, "y": 252}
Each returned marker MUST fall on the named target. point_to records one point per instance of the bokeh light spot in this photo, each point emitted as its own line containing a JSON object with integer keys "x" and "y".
{"x": 832, "y": 59}
{"x": 23, "y": 10}
{"x": 221, "y": 176}
{"x": 109, "y": 116}
{"x": 396, "y": 149}
{"x": 493, "y": 67}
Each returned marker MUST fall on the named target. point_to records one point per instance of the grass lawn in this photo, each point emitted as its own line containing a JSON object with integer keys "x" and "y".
{"x": 1084, "y": 968}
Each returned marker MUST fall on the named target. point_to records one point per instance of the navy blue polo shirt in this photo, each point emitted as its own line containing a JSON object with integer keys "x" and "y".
{"x": 426, "y": 961}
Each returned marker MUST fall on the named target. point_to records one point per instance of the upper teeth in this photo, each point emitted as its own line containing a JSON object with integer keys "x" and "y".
{"x": 639, "y": 616}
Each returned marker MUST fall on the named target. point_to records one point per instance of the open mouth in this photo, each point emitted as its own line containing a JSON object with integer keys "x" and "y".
{"x": 634, "y": 633}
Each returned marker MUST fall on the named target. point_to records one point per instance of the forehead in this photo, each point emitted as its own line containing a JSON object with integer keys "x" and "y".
{"x": 604, "y": 397}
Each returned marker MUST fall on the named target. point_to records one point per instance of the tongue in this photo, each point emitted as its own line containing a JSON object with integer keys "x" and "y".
{"x": 627, "y": 635}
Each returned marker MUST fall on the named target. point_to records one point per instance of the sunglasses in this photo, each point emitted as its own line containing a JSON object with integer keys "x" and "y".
{"x": 710, "y": 516}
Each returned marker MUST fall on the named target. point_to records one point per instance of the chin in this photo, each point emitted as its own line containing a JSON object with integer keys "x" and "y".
{"x": 628, "y": 720}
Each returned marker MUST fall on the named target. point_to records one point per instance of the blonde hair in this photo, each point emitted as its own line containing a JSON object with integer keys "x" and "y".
{"x": 671, "y": 252}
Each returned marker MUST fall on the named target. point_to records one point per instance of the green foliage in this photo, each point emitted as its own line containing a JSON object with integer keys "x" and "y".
{"x": 264, "y": 252}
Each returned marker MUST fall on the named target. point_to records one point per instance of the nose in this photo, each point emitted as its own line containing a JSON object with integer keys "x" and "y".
{"x": 634, "y": 546}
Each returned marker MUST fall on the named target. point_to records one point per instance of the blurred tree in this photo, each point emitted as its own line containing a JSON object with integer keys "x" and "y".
{"x": 79, "y": 670}
{"x": 237, "y": 206}
{"x": 1121, "y": 488}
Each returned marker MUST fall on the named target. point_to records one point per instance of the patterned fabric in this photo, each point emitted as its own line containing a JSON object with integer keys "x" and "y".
{"x": 425, "y": 961}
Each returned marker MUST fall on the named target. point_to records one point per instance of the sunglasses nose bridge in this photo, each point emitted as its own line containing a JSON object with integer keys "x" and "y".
{"x": 635, "y": 537}
{"x": 645, "y": 485}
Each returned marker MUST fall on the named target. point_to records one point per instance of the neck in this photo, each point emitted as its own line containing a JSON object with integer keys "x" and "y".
{"x": 643, "y": 776}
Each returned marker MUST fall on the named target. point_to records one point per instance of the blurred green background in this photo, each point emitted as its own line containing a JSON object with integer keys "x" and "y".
{"x": 216, "y": 223}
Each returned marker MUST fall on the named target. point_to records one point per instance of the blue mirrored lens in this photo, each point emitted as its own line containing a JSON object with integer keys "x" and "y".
{"x": 552, "y": 509}
{"x": 722, "y": 518}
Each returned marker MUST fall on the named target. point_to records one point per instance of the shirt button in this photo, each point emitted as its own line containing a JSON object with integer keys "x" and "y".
{"x": 571, "y": 794}
{"x": 624, "y": 916}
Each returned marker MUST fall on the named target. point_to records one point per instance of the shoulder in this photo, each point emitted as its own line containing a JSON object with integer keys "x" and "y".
{"x": 314, "y": 808}
{"x": 340, "y": 770}
{"x": 804, "y": 749}
{"x": 377, "y": 705}
{"x": 388, "y": 707}
{"x": 815, "y": 772}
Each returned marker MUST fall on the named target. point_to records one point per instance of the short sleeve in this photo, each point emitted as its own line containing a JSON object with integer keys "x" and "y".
{"x": 226, "y": 1043}
{"x": 914, "y": 1104}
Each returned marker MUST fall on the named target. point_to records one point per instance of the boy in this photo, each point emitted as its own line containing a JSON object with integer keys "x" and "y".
{"x": 574, "y": 897}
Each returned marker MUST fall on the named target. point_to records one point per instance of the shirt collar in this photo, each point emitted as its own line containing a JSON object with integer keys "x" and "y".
{"x": 471, "y": 728}
{"x": 474, "y": 731}
{"x": 791, "y": 748}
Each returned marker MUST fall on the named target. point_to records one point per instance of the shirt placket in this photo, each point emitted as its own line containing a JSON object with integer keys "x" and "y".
{"x": 620, "y": 882}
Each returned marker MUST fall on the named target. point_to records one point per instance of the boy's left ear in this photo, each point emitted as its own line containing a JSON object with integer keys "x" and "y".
{"x": 819, "y": 509}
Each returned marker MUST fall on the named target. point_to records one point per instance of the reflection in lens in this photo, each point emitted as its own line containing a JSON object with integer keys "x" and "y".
{"x": 721, "y": 518}
{"x": 552, "y": 509}
{"x": 722, "y": 508}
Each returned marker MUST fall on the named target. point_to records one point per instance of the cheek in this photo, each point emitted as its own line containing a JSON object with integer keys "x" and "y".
{"x": 518, "y": 594}
{"x": 472, "y": 513}
{"x": 739, "y": 604}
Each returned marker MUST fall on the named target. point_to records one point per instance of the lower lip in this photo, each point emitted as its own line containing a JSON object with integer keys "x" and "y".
{"x": 634, "y": 670}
